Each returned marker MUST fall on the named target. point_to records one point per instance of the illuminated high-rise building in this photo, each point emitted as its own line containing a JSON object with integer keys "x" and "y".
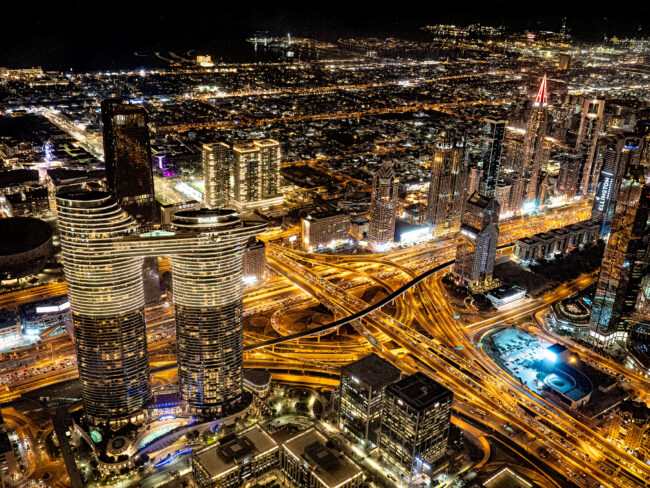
{"x": 208, "y": 304}
{"x": 615, "y": 154}
{"x": 362, "y": 396}
{"x": 490, "y": 158}
{"x": 625, "y": 260}
{"x": 534, "y": 153}
{"x": 570, "y": 175}
{"x": 107, "y": 305}
{"x": 591, "y": 125}
{"x": 382, "y": 207}
{"x": 127, "y": 156}
{"x": 415, "y": 424}
{"x": 477, "y": 241}
{"x": 447, "y": 186}
{"x": 256, "y": 172}
{"x": 103, "y": 251}
{"x": 216, "y": 174}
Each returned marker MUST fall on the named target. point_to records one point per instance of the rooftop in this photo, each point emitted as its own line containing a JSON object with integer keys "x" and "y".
{"x": 373, "y": 371}
{"x": 419, "y": 391}
{"x": 217, "y": 459}
{"x": 22, "y": 234}
{"x": 331, "y": 468}
{"x": 507, "y": 478}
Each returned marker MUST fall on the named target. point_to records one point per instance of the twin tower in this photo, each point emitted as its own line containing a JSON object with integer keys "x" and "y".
{"x": 103, "y": 253}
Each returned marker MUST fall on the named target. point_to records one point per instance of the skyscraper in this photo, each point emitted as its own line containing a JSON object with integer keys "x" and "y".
{"x": 615, "y": 154}
{"x": 208, "y": 304}
{"x": 216, "y": 174}
{"x": 534, "y": 154}
{"x": 591, "y": 124}
{"x": 477, "y": 241}
{"x": 625, "y": 260}
{"x": 362, "y": 396}
{"x": 127, "y": 156}
{"x": 382, "y": 207}
{"x": 490, "y": 158}
{"x": 570, "y": 175}
{"x": 107, "y": 306}
{"x": 102, "y": 259}
{"x": 256, "y": 171}
{"x": 447, "y": 186}
{"x": 415, "y": 424}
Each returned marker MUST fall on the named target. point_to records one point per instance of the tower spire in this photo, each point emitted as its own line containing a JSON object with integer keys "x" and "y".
{"x": 542, "y": 93}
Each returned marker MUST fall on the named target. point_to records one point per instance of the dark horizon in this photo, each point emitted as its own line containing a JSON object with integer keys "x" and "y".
{"x": 60, "y": 36}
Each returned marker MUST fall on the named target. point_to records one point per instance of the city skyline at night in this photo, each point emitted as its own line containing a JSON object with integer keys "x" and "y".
{"x": 325, "y": 246}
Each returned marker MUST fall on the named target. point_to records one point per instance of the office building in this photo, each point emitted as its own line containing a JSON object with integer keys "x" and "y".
{"x": 564, "y": 61}
{"x": 127, "y": 156}
{"x": 415, "y": 424}
{"x": 571, "y": 167}
{"x": 254, "y": 262}
{"x": 474, "y": 175}
{"x": 325, "y": 227}
{"x": 477, "y": 242}
{"x": 625, "y": 260}
{"x": 102, "y": 259}
{"x": 490, "y": 157}
{"x": 591, "y": 124}
{"x": 307, "y": 462}
{"x": 534, "y": 152}
{"x": 615, "y": 154}
{"x": 256, "y": 174}
{"x": 382, "y": 208}
{"x": 362, "y": 395}
{"x": 235, "y": 459}
{"x": 216, "y": 174}
{"x": 447, "y": 186}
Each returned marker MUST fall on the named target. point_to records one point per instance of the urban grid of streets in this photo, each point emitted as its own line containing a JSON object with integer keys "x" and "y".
{"x": 425, "y": 327}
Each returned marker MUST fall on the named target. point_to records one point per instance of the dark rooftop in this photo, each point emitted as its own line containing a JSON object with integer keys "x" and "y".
{"x": 321, "y": 455}
{"x": 21, "y": 234}
{"x": 419, "y": 391}
{"x": 373, "y": 371}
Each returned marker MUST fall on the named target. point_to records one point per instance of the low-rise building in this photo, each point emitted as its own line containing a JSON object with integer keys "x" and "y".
{"x": 325, "y": 228}
{"x": 307, "y": 462}
{"x": 359, "y": 228}
{"x": 546, "y": 245}
{"x": 41, "y": 315}
{"x": 505, "y": 295}
{"x": 235, "y": 460}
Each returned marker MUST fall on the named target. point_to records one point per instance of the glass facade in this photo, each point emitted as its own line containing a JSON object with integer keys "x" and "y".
{"x": 415, "y": 423}
{"x": 127, "y": 155}
{"x": 493, "y": 132}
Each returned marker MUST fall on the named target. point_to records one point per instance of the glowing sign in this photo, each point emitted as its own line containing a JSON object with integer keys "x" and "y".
{"x": 53, "y": 308}
{"x": 531, "y": 36}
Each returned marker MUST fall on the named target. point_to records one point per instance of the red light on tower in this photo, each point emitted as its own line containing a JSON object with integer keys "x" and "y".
{"x": 542, "y": 93}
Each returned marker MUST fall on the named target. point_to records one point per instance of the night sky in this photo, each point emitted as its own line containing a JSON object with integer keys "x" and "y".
{"x": 83, "y": 34}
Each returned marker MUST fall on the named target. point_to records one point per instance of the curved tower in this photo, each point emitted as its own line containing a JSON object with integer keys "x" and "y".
{"x": 107, "y": 305}
{"x": 102, "y": 259}
{"x": 208, "y": 304}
